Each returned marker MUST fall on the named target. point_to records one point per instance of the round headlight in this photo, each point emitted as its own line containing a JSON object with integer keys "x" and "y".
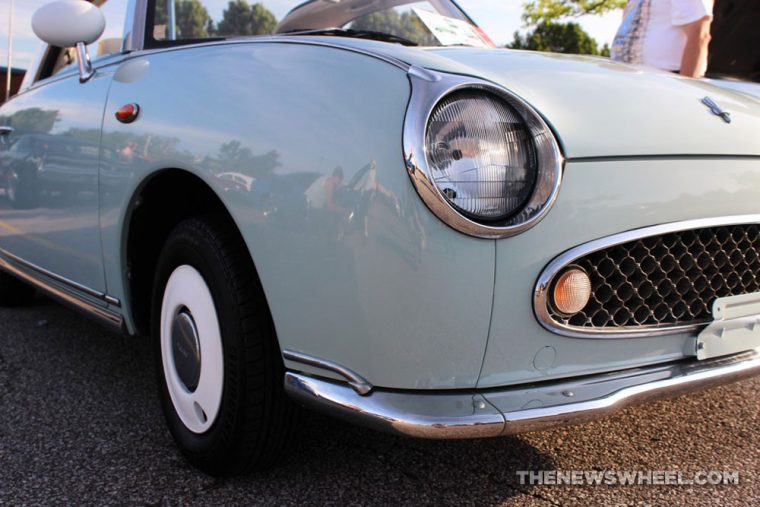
{"x": 482, "y": 159}
{"x": 481, "y": 155}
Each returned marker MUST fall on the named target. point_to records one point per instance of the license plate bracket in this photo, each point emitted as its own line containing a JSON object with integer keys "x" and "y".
{"x": 735, "y": 327}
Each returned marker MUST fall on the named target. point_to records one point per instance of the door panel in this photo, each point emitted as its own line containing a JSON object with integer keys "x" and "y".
{"x": 49, "y": 175}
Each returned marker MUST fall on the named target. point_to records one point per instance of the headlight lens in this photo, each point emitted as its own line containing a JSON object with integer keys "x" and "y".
{"x": 481, "y": 155}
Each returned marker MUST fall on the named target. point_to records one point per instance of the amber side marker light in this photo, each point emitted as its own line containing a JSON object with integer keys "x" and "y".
{"x": 128, "y": 113}
{"x": 571, "y": 291}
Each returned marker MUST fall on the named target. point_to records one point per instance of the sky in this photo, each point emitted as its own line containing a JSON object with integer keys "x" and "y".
{"x": 499, "y": 18}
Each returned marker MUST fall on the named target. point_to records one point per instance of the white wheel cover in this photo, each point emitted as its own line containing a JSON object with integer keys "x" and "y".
{"x": 187, "y": 289}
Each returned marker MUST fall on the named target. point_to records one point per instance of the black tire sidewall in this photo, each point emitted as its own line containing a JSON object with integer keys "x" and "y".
{"x": 199, "y": 253}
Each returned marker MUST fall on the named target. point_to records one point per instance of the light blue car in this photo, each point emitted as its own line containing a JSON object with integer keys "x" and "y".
{"x": 376, "y": 213}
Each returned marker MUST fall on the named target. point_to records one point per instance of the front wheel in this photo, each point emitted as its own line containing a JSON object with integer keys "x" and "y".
{"x": 219, "y": 367}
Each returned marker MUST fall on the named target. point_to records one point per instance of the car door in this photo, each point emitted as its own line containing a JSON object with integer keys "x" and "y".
{"x": 50, "y": 214}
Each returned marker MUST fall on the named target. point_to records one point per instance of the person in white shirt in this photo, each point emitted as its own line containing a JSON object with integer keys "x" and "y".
{"x": 321, "y": 193}
{"x": 667, "y": 34}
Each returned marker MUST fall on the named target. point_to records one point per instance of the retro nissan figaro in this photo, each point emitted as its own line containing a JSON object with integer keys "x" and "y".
{"x": 374, "y": 212}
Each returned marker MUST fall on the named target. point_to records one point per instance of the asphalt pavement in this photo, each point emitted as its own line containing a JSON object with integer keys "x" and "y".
{"x": 80, "y": 424}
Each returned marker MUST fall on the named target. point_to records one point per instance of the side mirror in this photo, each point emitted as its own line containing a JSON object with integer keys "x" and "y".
{"x": 67, "y": 23}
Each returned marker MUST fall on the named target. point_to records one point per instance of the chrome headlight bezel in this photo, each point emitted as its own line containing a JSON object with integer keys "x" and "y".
{"x": 428, "y": 90}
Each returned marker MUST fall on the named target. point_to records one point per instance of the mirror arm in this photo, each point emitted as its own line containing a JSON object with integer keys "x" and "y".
{"x": 85, "y": 65}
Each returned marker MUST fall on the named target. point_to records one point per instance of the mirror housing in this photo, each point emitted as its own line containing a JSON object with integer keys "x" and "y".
{"x": 68, "y": 23}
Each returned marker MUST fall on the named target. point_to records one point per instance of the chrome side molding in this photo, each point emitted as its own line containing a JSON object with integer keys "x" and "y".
{"x": 519, "y": 409}
{"x": 356, "y": 381}
{"x": 83, "y": 299}
{"x": 565, "y": 259}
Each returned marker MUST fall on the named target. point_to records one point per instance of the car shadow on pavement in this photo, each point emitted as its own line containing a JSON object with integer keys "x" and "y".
{"x": 339, "y": 462}
{"x": 81, "y": 422}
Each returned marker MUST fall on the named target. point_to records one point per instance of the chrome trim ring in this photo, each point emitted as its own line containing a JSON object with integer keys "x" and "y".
{"x": 428, "y": 89}
{"x": 545, "y": 280}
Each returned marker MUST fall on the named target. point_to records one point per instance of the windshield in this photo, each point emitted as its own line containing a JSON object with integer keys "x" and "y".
{"x": 417, "y": 23}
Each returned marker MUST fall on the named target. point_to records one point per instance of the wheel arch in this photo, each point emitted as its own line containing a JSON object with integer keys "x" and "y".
{"x": 162, "y": 200}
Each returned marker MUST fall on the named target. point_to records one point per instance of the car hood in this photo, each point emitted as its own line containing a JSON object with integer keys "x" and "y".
{"x": 601, "y": 108}
{"x": 748, "y": 87}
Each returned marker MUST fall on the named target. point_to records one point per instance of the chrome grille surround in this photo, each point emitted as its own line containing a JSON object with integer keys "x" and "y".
{"x": 712, "y": 236}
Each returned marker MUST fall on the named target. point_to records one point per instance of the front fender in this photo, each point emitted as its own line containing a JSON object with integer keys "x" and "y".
{"x": 368, "y": 278}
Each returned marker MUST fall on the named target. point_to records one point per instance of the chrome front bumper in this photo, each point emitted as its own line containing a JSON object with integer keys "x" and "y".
{"x": 496, "y": 412}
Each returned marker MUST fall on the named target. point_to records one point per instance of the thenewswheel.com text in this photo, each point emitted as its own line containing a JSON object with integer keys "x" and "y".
{"x": 626, "y": 477}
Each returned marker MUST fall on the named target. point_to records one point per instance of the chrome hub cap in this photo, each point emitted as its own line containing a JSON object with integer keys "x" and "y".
{"x": 186, "y": 349}
{"x": 191, "y": 349}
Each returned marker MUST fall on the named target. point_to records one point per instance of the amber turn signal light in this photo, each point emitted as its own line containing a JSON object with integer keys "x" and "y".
{"x": 572, "y": 291}
{"x": 128, "y": 113}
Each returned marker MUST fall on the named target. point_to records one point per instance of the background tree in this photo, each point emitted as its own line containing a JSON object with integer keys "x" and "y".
{"x": 32, "y": 119}
{"x": 536, "y": 12}
{"x": 192, "y": 19}
{"x": 559, "y": 38}
{"x": 242, "y": 18}
{"x": 233, "y": 153}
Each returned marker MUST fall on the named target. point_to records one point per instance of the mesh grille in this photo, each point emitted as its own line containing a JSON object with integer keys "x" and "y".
{"x": 667, "y": 280}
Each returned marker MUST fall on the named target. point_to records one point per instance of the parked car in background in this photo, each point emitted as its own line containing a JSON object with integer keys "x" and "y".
{"x": 374, "y": 212}
{"x": 46, "y": 164}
